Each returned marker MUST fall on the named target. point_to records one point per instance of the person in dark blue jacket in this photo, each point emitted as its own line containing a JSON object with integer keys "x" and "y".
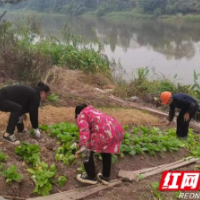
{"x": 188, "y": 107}
{"x": 18, "y": 100}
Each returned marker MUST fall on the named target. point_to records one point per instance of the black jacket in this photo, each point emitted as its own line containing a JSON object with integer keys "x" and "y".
{"x": 184, "y": 102}
{"x": 27, "y": 97}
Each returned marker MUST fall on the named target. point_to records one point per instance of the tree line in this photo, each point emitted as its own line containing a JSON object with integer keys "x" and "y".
{"x": 103, "y": 7}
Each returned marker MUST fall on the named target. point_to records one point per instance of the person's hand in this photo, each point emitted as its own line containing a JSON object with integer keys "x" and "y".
{"x": 37, "y": 133}
{"x": 186, "y": 117}
{"x": 77, "y": 154}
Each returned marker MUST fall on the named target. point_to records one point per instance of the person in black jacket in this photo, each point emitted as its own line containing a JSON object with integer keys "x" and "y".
{"x": 188, "y": 107}
{"x": 18, "y": 100}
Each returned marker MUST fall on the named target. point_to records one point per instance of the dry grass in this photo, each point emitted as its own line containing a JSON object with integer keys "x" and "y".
{"x": 50, "y": 114}
{"x": 67, "y": 80}
{"x": 131, "y": 116}
{"x": 75, "y": 80}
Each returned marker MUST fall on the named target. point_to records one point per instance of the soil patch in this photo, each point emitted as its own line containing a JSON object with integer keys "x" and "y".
{"x": 73, "y": 88}
{"x": 48, "y": 145}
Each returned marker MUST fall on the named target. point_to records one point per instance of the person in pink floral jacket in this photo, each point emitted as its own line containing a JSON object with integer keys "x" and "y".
{"x": 100, "y": 133}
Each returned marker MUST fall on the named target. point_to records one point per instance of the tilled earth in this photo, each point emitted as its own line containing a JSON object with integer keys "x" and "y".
{"x": 137, "y": 190}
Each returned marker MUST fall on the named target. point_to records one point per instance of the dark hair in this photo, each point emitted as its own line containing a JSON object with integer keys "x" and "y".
{"x": 43, "y": 87}
{"x": 78, "y": 109}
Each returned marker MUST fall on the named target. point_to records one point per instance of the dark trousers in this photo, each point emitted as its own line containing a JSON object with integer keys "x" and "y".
{"x": 106, "y": 161}
{"x": 15, "y": 111}
{"x": 20, "y": 126}
{"x": 183, "y": 126}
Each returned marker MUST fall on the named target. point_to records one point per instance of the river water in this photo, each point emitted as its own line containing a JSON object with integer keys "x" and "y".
{"x": 169, "y": 50}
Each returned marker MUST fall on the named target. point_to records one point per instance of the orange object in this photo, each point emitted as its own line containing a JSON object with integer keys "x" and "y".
{"x": 165, "y": 96}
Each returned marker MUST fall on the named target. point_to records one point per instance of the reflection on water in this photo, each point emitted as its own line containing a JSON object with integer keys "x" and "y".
{"x": 168, "y": 49}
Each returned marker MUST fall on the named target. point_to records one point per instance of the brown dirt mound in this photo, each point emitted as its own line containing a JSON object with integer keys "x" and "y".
{"x": 75, "y": 87}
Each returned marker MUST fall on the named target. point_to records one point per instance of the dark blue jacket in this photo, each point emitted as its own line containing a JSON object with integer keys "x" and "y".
{"x": 184, "y": 102}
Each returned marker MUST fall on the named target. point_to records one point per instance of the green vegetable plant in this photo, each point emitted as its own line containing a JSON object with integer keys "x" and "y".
{"x": 68, "y": 135}
{"x": 1, "y": 167}
{"x": 149, "y": 140}
{"x": 3, "y": 157}
{"x": 65, "y": 153}
{"x": 62, "y": 180}
{"x": 29, "y": 152}
{"x": 43, "y": 176}
{"x": 11, "y": 174}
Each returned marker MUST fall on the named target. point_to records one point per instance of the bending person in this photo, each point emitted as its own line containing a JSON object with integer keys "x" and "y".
{"x": 99, "y": 133}
{"x": 188, "y": 107}
{"x": 18, "y": 100}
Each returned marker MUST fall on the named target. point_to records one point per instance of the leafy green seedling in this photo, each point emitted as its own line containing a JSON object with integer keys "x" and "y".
{"x": 29, "y": 152}
{"x": 11, "y": 174}
{"x": 155, "y": 186}
{"x": 140, "y": 177}
{"x": 1, "y": 167}
{"x": 42, "y": 175}
{"x": 177, "y": 194}
{"x": 3, "y": 157}
{"x": 62, "y": 180}
{"x": 43, "y": 127}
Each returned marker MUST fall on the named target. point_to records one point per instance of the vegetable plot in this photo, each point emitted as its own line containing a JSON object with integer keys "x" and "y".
{"x": 137, "y": 140}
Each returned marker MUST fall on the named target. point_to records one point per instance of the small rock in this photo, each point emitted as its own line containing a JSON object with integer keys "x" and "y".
{"x": 42, "y": 140}
{"x": 100, "y": 193}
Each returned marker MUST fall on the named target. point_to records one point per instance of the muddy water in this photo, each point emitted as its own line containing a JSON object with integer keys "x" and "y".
{"x": 168, "y": 50}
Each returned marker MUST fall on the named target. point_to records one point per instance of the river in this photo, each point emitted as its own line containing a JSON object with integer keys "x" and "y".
{"x": 169, "y": 50}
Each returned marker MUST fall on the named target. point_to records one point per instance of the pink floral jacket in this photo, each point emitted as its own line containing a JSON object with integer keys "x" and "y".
{"x": 99, "y": 132}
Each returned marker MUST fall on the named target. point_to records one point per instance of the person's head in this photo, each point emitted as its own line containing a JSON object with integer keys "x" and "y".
{"x": 78, "y": 109}
{"x": 44, "y": 90}
{"x": 166, "y": 98}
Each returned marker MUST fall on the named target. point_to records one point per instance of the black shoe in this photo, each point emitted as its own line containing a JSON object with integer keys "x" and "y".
{"x": 83, "y": 178}
{"x": 11, "y": 138}
{"x": 102, "y": 179}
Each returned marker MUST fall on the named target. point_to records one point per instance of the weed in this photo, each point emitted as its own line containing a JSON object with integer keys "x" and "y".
{"x": 53, "y": 97}
{"x": 155, "y": 186}
{"x": 150, "y": 90}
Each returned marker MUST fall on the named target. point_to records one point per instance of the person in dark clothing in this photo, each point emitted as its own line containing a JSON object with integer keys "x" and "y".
{"x": 18, "y": 100}
{"x": 188, "y": 107}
